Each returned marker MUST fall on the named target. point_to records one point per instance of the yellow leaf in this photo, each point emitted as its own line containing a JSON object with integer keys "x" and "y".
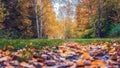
{"x": 64, "y": 54}
{"x": 104, "y": 47}
{"x": 31, "y": 44}
{"x": 86, "y": 55}
{"x": 111, "y": 47}
{"x": 10, "y": 47}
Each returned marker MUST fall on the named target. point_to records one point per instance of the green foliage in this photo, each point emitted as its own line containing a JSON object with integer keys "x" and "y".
{"x": 10, "y": 34}
{"x": 109, "y": 16}
{"x": 106, "y": 27}
{"x": 89, "y": 34}
{"x": 20, "y": 22}
{"x": 115, "y": 32}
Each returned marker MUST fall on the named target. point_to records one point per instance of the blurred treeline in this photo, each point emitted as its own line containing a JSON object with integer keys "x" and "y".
{"x": 37, "y": 19}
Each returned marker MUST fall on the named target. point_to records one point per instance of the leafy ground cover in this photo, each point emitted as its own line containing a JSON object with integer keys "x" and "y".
{"x": 61, "y": 54}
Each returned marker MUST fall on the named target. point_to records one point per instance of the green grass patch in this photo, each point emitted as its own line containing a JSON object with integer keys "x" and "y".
{"x": 37, "y": 43}
{"x": 87, "y": 41}
{"x": 48, "y": 43}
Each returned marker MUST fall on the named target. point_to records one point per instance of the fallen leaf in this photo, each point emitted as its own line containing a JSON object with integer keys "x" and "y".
{"x": 7, "y": 52}
{"x": 1, "y": 51}
{"x": 9, "y": 67}
{"x": 80, "y": 63}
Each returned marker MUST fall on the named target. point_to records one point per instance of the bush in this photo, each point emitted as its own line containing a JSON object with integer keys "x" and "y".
{"x": 10, "y": 34}
{"x": 115, "y": 32}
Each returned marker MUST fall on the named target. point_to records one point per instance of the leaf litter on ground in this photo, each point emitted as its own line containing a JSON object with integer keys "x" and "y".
{"x": 68, "y": 55}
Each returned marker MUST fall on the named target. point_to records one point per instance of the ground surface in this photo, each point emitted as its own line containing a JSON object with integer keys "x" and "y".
{"x": 68, "y": 55}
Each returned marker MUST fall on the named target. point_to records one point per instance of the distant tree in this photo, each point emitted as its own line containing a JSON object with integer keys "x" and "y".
{"x": 2, "y": 14}
{"x": 84, "y": 11}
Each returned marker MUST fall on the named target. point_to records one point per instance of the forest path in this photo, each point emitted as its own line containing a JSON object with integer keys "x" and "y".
{"x": 68, "y": 55}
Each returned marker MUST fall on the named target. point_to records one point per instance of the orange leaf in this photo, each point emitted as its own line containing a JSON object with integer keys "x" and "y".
{"x": 0, "y": 50}
{"x": 7, "y": 52}
{"x": 80, "y": 63}
{"x": 9, "y": 67}
{"x": 98, "y": 63}
{"x": 86, "y": 55}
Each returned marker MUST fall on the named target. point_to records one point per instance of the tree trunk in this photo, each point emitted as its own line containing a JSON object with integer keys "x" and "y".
{"x": 37, "y": 24}
{"x": 99, "y": 20}
{"x": 91, "y": 14}
{"x": 41, "y": 25}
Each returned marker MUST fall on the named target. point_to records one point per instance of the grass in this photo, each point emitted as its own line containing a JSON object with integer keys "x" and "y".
{"x": 47, "y": 43}
{"x": 87, "y": 41}
{"x": 22, "y": 43}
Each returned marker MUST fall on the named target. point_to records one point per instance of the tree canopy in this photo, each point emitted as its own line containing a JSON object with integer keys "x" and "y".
{"x": 59, "y": 18}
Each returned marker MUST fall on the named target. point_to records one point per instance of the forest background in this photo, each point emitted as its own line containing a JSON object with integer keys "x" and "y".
{"x": 28, "y": 19}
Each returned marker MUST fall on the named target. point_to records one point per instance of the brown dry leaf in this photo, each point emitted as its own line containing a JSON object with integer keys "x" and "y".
{"x": 118, "y": 49}
{"x": 32, "y": 49}
{"x": 104, "y": 47}
{"x": 24, "y": 64}
{"x": 96, "y": 53}
{"x": 20, "y": 55}
{"x": 5, "y": 58}
{"x": 79, "y": 51}
{"x": 10, "y": 47}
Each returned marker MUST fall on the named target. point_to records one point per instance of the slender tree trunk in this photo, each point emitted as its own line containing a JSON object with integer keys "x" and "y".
{"x": 102, "y": 12}
{"x": 41, "y": 24}
{"x": 91, "y": 14}
{"x": 37, "y": 24}
{"x": 99, "y": 20}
